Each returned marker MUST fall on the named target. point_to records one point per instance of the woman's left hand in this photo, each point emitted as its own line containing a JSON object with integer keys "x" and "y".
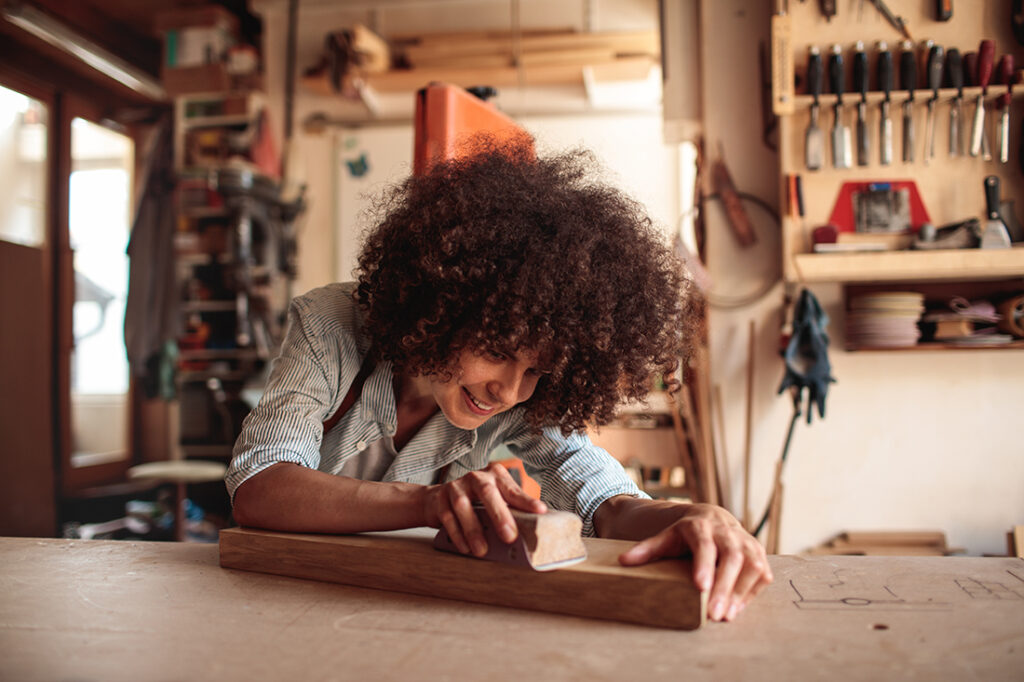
{"x": 726, "y": 558}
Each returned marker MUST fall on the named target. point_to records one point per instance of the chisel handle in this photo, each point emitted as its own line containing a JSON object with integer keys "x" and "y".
{"x": 908, "y": 69}
{"x": 814, "y": 72}
{"x": 971, "y": 69}
{"x": 835, "y": 72}
{"x": 935, "y": 64}
{"x": 992, "y": 197}
{"x": 986, "y": 55}
{"x": 860, "y": 71}
{"x": 884, "y": 67}
{"x": 955, "y": 70}
{"x": 1004, "y": 74}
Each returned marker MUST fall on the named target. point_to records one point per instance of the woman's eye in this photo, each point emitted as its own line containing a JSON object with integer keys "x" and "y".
{"x": 495, "y": 355}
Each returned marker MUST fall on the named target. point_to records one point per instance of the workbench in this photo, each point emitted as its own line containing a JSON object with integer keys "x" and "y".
{"x": 106, "y": 610}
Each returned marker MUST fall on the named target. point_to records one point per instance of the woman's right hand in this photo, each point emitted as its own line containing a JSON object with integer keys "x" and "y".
{"x": 450, "y": 505}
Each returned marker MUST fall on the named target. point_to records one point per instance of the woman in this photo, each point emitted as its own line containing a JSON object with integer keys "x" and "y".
{"x": 503, "y": 299}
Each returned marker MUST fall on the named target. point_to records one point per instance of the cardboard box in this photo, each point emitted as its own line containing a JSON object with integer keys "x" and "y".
{"x": 192, "y": 79}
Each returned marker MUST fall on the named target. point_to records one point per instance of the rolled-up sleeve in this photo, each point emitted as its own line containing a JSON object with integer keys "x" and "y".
{"x": 287, "y": 424}
{"x": 574, "y": 474}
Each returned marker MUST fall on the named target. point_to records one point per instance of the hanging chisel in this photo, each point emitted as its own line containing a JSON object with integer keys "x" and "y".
{"x": 885, "y": 75}
{"x": 934, "y": 75}
{"x": 860, "y": 82}
{"x": 1005, "y": 74}
{"x": 955, "y": 69}
{"x": 971, "y": 80}
{"x": 814, "y": 143}
{"x": 841, "y": 144}
{"x": 986, "y": 52}
{"x": 908, "y": 79}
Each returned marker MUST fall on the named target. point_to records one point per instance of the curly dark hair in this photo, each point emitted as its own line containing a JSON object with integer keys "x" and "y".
{"x": 499, "y": 250}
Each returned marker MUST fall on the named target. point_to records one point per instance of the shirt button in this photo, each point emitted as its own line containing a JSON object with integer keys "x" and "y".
{"x": 361, "y": 445}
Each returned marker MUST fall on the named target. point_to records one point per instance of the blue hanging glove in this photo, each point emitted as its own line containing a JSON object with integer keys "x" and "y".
{"x": 806, "y": 355}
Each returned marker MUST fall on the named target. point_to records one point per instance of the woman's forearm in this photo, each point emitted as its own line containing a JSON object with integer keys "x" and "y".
{"x": 290, "y": 497}
{"x": 625, "y": 517}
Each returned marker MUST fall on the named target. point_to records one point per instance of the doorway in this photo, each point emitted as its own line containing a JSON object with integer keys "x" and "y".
{"x": 99, "y": 210}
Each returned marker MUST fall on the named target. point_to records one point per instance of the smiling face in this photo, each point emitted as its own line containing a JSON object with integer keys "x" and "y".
{"x": 485, "y": 383}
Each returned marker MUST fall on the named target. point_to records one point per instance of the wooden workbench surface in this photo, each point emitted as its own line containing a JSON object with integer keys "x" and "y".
{"x": 93, "y": 610}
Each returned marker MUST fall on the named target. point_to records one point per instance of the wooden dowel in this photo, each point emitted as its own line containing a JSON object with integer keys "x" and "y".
{"x": 722, "y": 453}
{"x": 750, "y": 426}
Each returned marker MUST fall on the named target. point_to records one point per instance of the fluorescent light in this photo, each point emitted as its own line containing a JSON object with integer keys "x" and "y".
{"x": 57, "y": 34}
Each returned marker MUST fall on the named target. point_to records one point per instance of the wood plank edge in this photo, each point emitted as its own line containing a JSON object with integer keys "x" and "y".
{"x": 610, "y": 595}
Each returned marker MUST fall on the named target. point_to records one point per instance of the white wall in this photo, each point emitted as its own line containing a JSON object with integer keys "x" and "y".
{"x": 910, "y": 440}
{"x": 646, "y": 168}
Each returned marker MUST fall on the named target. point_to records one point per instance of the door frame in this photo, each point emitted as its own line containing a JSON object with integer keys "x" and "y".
{"x": 74, "y": 479}
{"x": 28, "y": 486}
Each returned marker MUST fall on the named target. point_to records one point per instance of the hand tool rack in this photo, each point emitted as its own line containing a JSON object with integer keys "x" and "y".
{"x": 951, "y": 187}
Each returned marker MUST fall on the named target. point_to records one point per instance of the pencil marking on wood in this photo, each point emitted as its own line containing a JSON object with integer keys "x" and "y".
{"x": 977, "y": 589}
{"x": 842, "y": 593}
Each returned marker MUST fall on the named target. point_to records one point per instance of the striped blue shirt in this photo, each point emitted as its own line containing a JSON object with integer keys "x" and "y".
{"x": 321, "y": 355}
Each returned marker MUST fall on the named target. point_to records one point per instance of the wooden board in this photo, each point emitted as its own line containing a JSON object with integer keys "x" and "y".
{"x": 660, "y": 594}
{"x": 113, "y": 611}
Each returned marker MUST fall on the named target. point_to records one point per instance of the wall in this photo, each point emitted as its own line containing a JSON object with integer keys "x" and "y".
{"x": 910, "y": 440}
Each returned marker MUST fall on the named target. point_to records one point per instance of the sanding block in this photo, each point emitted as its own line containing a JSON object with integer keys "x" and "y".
{"x": 544, "y": 542}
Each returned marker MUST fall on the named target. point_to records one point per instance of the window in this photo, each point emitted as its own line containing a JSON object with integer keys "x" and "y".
{"x": 99, "y": 225}
{"x": 23, "y": 166}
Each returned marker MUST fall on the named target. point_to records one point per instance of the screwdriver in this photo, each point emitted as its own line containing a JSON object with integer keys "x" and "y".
{"x": 841, "y": 147}
{"x": 908, "y": 79}
{"x": 814, "y": 144}
{"x": 934, "y": 68}
{"x": 885, "y": 74}
{"x": 986, "y": 52}
{"x": 971, "y": 80}
{"x": 1004, "y": 74}
{"x": 955, "y": 69}
{"x": 860, "y": 82}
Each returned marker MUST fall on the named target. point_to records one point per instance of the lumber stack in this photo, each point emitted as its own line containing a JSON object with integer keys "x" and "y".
{"x": 504, "y": 58}
{"x": 887, "y": 543}
{"x": 524, "y": 48}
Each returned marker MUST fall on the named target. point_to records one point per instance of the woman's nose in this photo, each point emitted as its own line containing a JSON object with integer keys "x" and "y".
{"x": 511, "y": 386}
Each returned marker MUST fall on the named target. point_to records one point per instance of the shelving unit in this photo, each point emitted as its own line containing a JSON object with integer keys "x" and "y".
{"x": 234, "y": 260}
{"x": 951, "y": 188}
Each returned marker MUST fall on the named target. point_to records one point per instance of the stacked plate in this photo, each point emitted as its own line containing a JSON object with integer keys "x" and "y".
{"x": 885, "y": 319}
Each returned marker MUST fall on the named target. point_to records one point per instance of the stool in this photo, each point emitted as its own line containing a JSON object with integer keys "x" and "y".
{"x": 180, "y": 472}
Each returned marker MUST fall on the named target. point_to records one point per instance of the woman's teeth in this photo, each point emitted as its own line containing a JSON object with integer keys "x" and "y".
{"x": 480, "y": 405}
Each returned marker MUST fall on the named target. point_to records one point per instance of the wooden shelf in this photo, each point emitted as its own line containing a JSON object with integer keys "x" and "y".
{"x": 939, "y": 345}
{"x": 909, "y": 266}
{"x": 408, "y": 80}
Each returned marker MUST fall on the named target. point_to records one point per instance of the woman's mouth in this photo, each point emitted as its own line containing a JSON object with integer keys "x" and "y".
{"x": 475, "y": 406}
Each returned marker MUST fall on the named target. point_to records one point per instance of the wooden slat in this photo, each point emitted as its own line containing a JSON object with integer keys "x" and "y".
{"x": 623, "y": 43}
{"x": 401, "y": 80}
{"x": 660, "y": 594}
